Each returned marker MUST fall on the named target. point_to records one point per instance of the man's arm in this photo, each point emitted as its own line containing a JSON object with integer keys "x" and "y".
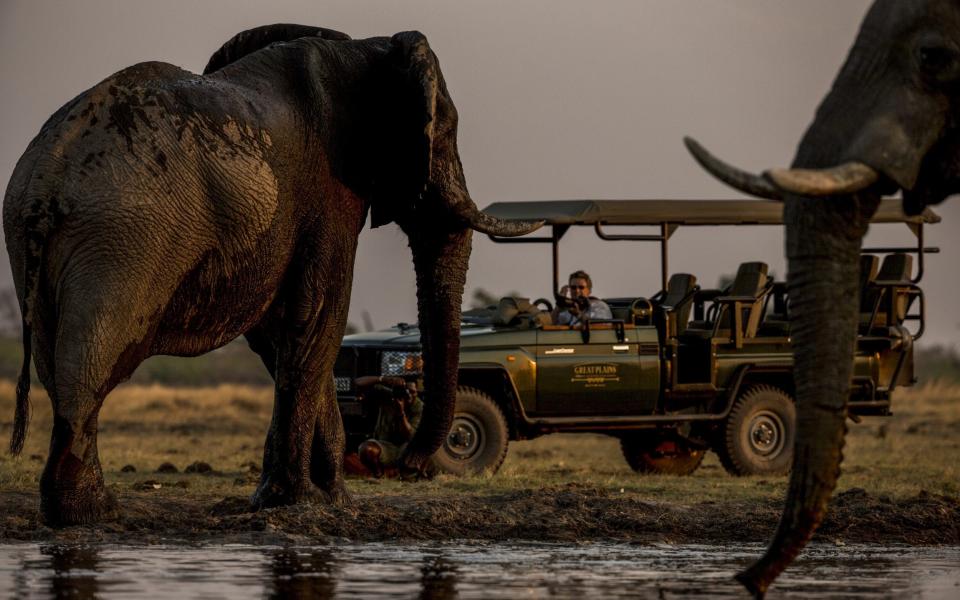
{"x": 370, "y": 380}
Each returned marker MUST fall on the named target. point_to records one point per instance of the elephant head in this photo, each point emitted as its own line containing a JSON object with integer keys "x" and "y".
{"x": 401, "y": 154}
{"x": 889, "y": 122}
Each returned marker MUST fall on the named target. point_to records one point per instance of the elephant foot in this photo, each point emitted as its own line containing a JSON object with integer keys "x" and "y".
{"x": 276, "y": 491}
{"x": 336, "y": 493}
{"x": 65, "y": 508}
{"x": 416, "y": 468}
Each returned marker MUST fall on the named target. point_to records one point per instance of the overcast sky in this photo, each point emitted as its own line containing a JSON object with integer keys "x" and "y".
{"x": 557, "y": 100}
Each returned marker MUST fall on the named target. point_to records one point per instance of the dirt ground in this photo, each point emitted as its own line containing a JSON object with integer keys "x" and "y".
{"x": 183, "y": 463}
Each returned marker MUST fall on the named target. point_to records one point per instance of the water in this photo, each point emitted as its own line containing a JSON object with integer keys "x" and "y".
{"x": 464, "y": 570}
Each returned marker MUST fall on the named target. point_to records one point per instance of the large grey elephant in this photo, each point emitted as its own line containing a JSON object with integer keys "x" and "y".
{"x": 163, "y": 212}
{"x": 889, "y": 123}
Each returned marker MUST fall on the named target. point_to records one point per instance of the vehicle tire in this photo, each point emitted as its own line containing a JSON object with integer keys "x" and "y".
{"x": 478, "y": 437}
{"x": 660, "y": 456}
{"x": 758, "y": 435}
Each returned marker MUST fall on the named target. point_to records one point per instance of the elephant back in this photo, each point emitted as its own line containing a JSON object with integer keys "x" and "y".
{"x": 251, "y": 40}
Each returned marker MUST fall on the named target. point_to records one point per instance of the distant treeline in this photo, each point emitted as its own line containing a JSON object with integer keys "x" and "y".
{"x": 236, "y": 363}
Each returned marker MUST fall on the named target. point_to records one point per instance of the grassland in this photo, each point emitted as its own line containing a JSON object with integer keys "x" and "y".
{"x": 901, "y": 481}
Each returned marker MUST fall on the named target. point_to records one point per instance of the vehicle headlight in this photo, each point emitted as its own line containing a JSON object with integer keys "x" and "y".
{"x": 401, "y": 363}
{"x": 343, "y": 384}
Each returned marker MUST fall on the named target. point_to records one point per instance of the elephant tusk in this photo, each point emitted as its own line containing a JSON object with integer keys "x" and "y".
{"x": 748, "y": 183}
{"x": 484, "y": 223}
{"x": 848, "y": 178}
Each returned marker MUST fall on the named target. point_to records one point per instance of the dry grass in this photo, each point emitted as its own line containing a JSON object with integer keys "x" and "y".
{"x": 146, "y": 426}
{"x": 916, "y": 450}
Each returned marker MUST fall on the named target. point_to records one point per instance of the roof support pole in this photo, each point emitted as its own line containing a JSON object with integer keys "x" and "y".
{"x": 664, "y": 254}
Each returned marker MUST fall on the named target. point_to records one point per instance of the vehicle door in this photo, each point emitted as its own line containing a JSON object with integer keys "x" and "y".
{"x": 603, "y": 374}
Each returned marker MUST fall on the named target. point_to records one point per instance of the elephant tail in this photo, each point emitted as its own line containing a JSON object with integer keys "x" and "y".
{"x": 32, "y": 267}
{"x": 21, "y": 417}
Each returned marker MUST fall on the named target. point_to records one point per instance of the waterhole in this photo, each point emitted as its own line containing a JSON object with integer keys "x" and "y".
{"x": 464, "y": 570}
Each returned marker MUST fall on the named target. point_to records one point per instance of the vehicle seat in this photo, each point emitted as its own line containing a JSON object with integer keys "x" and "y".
{"x": 751, "y": 281}
{"x": 678, "y": 300}
{"x": 620, "y": 309}
{"x": 896, "y": 271}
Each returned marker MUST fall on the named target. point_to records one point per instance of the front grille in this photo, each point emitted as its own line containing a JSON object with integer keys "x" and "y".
{"x": 353, "y": 362}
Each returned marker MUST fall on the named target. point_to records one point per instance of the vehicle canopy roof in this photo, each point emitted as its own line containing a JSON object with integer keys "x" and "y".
{"x": 679, "y": 212}
{"x": 672, "y": 214}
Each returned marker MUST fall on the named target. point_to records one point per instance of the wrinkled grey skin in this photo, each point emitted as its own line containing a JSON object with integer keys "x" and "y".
{"x": 163, "y": 212}
{"x": 894, "y": 107}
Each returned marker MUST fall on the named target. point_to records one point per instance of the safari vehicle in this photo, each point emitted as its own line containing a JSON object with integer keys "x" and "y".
{"x": 680, "y": 371}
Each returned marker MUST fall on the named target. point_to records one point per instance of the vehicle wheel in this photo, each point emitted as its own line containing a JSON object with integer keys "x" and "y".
{"x": 478, "y": 437}
{"x": 758, "y": 436}
{"x": 660, "y": 456}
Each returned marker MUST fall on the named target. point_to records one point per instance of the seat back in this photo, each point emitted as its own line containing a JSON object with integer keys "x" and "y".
{"x": 679, "y": 299}
{"x": 883, "y": 301}
{"x": 751, "y": 281}
{"x": 896, "y": 271}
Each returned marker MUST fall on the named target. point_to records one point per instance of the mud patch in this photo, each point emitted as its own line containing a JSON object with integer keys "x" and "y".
{"x": 556, "y": 513}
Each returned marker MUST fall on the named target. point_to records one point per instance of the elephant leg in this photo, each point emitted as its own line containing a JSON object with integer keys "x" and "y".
{"x": 263, "y": 346}
{"x": 85, "y": 370}
{"x": 329, "y": 441}
{"x": 305, "y": 417}
{"x": 72, "y": 491}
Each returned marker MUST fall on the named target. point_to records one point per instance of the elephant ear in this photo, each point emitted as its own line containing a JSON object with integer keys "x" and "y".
{"x": 421, "y": 90}
{"x": 251, "y": 40}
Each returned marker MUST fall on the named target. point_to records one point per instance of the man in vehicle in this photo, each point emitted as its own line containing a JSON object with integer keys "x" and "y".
{"x": 400, "y": 409}
{"x": 575, "y": 304}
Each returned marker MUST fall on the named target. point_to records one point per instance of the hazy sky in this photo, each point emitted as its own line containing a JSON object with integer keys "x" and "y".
{"x": 557, "y": 100}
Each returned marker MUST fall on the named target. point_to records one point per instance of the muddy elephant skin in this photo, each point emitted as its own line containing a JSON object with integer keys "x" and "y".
{"x": 164, "y": 212}
{"x": 890, "y": 122}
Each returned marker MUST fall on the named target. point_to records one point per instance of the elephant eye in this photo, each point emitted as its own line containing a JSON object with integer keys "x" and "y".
{"x": 940, "y": 62}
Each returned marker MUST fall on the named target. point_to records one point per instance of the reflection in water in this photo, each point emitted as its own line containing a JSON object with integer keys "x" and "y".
{"x": 438, "y": 578}
{"x": 465, "y": 570}
{"x": 74, "y": 572}
{"x": 302, "y": 575}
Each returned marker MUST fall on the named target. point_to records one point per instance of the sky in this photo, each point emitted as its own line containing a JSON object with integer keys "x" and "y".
{"x": 558, "y": 99}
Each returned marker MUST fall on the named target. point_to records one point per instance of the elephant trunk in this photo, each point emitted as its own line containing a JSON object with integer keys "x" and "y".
{"x": 823, "y": 254}
{"x": 440, "y": 259}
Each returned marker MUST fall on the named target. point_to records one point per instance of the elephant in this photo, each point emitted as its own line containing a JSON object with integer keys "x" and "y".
{"x": 889, "y": 123}
{"x": 165, "y": 212}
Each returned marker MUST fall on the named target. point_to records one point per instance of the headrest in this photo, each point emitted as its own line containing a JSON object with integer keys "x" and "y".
{"x": 750, "y": 280}
{"x": 896, "y": 268}
{"x": 679, "y": 286}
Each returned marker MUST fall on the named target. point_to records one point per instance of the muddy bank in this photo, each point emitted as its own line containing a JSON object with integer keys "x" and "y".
{"x": 559, "y": 513}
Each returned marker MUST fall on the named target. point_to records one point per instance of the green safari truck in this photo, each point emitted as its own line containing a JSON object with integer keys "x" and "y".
{"x": 677, "y": 372}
